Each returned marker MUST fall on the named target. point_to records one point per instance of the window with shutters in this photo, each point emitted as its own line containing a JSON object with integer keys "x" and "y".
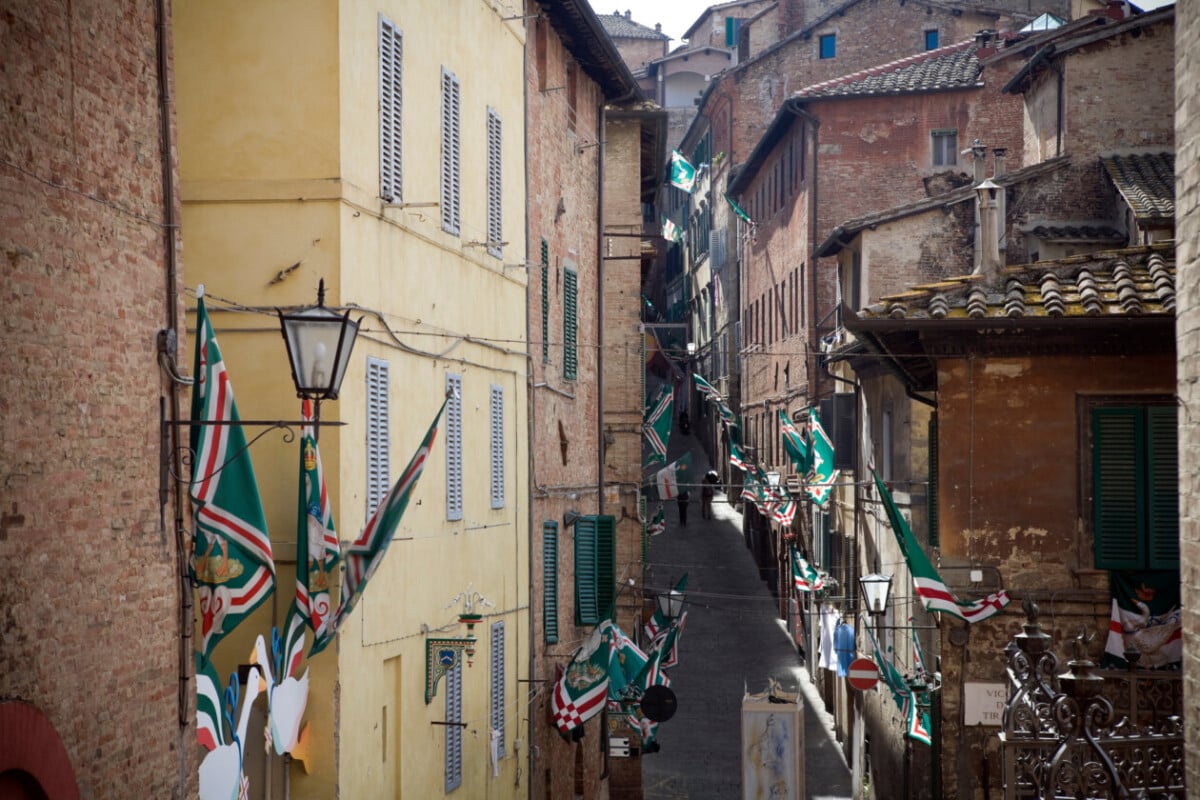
{"x": 454, "y": 465}
{"x": 545, "y": 301}
{"x": 550, "y": 581}
{"x": 497, "y": 680}
{"x": 595, "y": 568}
{"x": 570, "y": 323}
{"x": 497, "y": 408}
{"x": 451, "y": 153}
{"x": 495, "y": 229}
{"x": 1135, "y": 485}
{"x": 454, "y": 737}
{"x": 391, "y": 50}
{"x": 379, "y": 465}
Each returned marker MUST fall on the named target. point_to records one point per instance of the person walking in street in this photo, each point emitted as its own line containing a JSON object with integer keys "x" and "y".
{"x": 706, "y": 494}
{"x": 682, "y": 499}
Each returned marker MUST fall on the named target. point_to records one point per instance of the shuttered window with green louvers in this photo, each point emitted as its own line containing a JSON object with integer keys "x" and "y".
{"x": 595, "y": 568}
{"x": 1135, "y": 485}
{"x": 570, "y": 323}
{"x": 550, "y": 581}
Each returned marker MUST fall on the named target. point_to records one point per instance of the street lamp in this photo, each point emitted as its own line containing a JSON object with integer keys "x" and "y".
{"x": 875, "y": 589}
{"x": 670, "y": 604}
{"x": 319, "y": 342}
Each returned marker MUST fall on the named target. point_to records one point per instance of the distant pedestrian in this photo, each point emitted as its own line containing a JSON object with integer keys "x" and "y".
{"x": 682, "y": 499}
{"x": 707, "y": 490}
{"x": 685, "y": 424}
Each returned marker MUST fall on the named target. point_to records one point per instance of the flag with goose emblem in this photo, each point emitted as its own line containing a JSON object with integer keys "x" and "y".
{"x": 656, "y": 424}
{"x": 582, "y": 687}
{"x": 231, "y": 553}
{"x": 683, "y": 174}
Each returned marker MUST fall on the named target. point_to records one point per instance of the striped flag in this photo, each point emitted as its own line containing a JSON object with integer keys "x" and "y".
{"x": 683, "y": 174}
{"x": 736, "y": 458}
{"x": 784, "y": 512}
{"x": 658, "y": 621}
{"x": 670, "y": 231}
{"x": 916, "y": 720}
{"x": 317, "y": 547}
{"x": 821, "y": 475}
{"x": 582, "y": 688}
{"x": 656, "y": 424}
{"x": 933, "y": 592}
{"x": 804, "y": 575}
{"x": 658, "y": 524}
{"x": 793, "y": 443}
{"x": 366, "y": 553}
{"x": 738, "y": 210}
{"x": 231, "y": 554}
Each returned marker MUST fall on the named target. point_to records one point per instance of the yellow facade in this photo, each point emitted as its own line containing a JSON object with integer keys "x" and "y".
{"x": 279, "y": 147}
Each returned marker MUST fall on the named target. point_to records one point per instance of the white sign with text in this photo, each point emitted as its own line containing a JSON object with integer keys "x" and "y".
{"x": 984, "y": 703}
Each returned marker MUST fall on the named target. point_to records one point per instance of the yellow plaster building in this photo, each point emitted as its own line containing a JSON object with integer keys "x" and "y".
{"x": 379, "y": 147}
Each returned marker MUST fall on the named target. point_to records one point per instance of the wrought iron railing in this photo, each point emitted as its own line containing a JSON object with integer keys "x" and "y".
{"x": 1087, "y": 732}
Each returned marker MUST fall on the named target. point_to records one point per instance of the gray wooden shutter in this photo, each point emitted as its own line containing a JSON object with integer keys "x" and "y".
{"x": 497, "y": 676}
{"x": 378, "y": 450}
{"x": 495, "y": 194}
{"x": 454, "y": 465}
{"x": 454, "y": 737}
{"x": 497, "y": 446}
{"x": 391, "y": 51}
{"x": 550, "y": 580}
{"x": 570, "y": 323}
{"x": 451, "y": 152}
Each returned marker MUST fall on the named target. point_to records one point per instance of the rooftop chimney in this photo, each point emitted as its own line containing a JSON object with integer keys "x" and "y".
{"x": 986, "y": 42}
{"x": 979, "y": 153}
{"x": 1001, "y": 199}
{"x": 628, "y": 14}
{"x": 987, "y": 247}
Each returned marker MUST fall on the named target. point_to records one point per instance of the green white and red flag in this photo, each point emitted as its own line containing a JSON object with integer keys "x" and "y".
{"x": 670, "y": 231}
{"x": 916, "y": 720}
{"x": 683, "y": 174}
{"x": 656, "y": 424}
{"x": 929, "y": 586}
{"x": 625, "y": 665}
{"x": 582, "y": 688}
{"x": 231, "y": 551}
{"x": 821, "y": 475}
{"x": 317, "y": 547}
{"x": 366, "y": 553}
{"x": 793, "y": 443}
{"x": 805, "y": 576}
{"x": 736, "y": 458}
{"x": 658, "y": 524}
{"x": 658, "y": 621}
{"x": 665, "y": 647}
{"x": 784, "y": 511}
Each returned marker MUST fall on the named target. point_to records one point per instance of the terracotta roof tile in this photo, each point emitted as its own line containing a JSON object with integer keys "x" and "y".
{"x": 618, "y": 26}
{"x": 1136, "y": 281}
{"x": 1146, "y": 181}
{"x": 952, "y": 67}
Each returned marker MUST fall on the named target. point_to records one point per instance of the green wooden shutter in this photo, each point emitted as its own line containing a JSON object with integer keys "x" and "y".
{"x": 570, "y": 323}
{"x": 587, "y": 601}
{"x": 1117, "y": 471}
{"x": 545, "y": 301}
{"x": 550, "y": 580}
{"x": 606, "y": 563}
{"x": 1162, "y": 462}
{"x": 932, "y": 499}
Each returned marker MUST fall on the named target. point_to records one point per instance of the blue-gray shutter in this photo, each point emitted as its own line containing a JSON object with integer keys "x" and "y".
{"x": 454, "y": 455}
{"x": 495, "y": 194}
{"x": 391, "y": 51}
{"x": 497, "y": 676}
{"x": 454, "y": 737}
{"x": 497, "y": 448}
{"x": 378, "y": 450}
{"x": 550, "y": 580}
{"x": 451, "y": 152}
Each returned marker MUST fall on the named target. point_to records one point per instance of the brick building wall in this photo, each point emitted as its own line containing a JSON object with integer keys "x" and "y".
{"x": 563, "y": 217}
{"x": 1187, "y": 200}
{"x": 90, "y": 611}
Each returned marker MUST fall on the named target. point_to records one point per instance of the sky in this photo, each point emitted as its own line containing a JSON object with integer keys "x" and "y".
{"x": 676, "y": 16}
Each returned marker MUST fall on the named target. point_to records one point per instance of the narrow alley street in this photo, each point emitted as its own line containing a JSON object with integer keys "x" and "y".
{"x": 732, "y": 644}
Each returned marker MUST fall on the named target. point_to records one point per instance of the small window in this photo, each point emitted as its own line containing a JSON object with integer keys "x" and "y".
{"x": 733, "y": 26}
{"x": 828, "y": 44}
{"x": 931, "y": 40}
{"x": 945, "y": 147}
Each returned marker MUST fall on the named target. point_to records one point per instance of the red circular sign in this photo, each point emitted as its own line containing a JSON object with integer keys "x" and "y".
{"x": 862, "y": 674}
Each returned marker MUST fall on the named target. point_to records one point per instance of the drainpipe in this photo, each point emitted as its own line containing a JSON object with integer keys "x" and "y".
{"x": 531, "y": 456}
{"x": 601, "y": 121}
{"x": 1001, "y": 203}
{"x": 169, "y": 228}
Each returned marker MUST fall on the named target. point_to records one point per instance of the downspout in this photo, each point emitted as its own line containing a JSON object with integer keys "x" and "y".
{"x": 530, "y": 416}
{"x": 170, "y": 225}
{"x": 1058, "y": 128}
{"x": 814, "y": 389}
{"x": 601, "y": 120}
